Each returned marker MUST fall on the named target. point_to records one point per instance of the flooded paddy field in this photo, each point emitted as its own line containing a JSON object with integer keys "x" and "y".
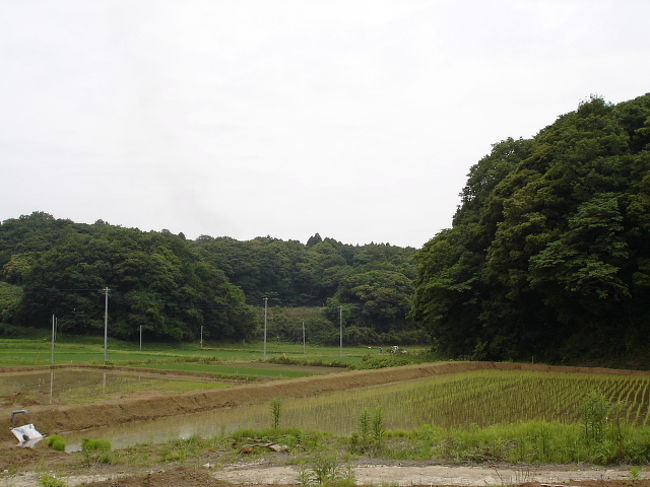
{"x": 60, "y": 386}
{"x": 481, "y": 397}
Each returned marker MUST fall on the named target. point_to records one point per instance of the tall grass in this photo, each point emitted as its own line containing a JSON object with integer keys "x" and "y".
{"x": 521, "y": 442}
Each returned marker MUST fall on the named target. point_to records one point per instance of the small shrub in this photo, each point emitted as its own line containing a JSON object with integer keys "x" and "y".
{"x": 47, "y": 480}
{"x": 276, "y": 410}
{"x": 382, "y": 361}
{"x": 635, "y": 474}
{"x": 56, "y": 442}
{"x": 594, "y": 411}
{"x": 328, "y": 471}
{"x": 364, "y": 426}
{"x": 96, "y": 451}
{"x": 378, "y": 429}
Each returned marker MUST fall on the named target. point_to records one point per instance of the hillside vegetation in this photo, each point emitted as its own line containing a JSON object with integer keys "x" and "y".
{"x": 549, "y": 253}
{"x": 172, "y": 286}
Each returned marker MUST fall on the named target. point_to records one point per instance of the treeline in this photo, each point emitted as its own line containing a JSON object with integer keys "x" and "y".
{"x": 549, "y": 253}
{"x": 373, "y": 281}
{"x": 172, "y": 286}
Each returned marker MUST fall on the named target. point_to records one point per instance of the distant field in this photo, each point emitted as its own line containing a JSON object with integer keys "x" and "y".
{"x": 241, "y": 360}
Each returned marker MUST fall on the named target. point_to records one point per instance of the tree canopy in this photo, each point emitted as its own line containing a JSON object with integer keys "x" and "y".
{"x": 549, "y": 252}
{"x": 172, "y": 286}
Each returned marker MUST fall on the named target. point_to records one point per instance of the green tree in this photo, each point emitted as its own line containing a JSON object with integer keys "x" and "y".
{"x": 549, "y": 244}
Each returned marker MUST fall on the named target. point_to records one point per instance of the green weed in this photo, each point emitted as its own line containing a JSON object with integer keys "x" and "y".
{"x": 378, "y": 429}
{"x": 47, "y": 480}
{"x": 594, "y": 411}
{"x": 96, "y": 451}
{"x": 56, "y": 442}
{"x": 276, "y": 410}
{"x": 329, "y": 471}
{"x": 635, "y": 474}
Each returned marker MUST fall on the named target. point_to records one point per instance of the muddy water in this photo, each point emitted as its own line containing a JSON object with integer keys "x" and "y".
{"x": 174, "y": 427}
{"x": 298, "y": 413}
{"x": 322, "y": 413}
{"x": 56, "y": 386}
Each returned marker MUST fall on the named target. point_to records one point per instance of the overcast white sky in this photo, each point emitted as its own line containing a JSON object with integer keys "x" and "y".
{"x": 355, "y": 119}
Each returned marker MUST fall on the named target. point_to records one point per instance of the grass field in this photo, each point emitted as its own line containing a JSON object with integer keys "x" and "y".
{"x": 244, "y": 360}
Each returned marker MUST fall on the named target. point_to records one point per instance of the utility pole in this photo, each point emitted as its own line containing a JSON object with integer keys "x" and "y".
{"x": 266, "y": 303}
{"x": 141, "y": 338}
{"x": 304, "y": 347}
{"x": 53, "y": 335}
{"x": 340, "y": 331}
{"x": 201, "y": 336}
{"x": 106, "y": 325}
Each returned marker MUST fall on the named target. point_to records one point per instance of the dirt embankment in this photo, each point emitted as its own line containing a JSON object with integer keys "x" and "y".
{"x": 52, "y": 419}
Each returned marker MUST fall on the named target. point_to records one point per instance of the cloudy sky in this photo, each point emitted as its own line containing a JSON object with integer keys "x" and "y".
{"x": 355, "y": 119}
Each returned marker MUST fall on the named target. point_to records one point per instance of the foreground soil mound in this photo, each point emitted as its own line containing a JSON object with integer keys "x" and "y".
{"x": 53, "y": 419}
{"x": 179, "y": 477}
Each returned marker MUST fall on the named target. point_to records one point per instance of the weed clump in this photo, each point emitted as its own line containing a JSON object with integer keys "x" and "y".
{"x": 594, "y": 411}
{"x": 47, "y": 480}
{"x": 371, "y": 432}
{"x": 364, "y": 426}
{"x": 56, "y": 442}
{"x": 276, "y": 410}
{"x": 96, "y": 451}
{"x": 329, "y": 471}
{"x": 378, "y": 429}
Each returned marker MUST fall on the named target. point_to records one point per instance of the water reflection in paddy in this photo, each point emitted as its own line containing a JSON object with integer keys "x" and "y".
{"x": 209, "y": 424}
{"x": 63, "y": 386}
{"x": 324, "y": 412}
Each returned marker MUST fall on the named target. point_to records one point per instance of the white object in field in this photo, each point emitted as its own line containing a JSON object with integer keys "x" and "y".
{"x": 26, "y": 433}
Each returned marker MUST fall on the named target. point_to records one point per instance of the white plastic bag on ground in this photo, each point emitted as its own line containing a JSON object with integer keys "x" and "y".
{"x": 27, "y": 435}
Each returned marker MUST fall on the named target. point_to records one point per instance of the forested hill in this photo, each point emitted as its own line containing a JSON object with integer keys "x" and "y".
{"x": 172, "y": 286}
{"x": 549, "y": 253}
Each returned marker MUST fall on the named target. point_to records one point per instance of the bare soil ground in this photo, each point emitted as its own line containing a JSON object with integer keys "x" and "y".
{"x": 54, "y": 419}
{"x": 378, "y": 475}
{"x": 421, "y": 474}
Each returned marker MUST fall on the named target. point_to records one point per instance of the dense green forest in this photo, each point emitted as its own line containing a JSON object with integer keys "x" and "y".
{"x": 549, "y": 253}
{"x": 171, "y": 286}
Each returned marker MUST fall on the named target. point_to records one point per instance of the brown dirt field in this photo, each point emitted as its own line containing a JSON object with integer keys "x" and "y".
{"x": 138, "y": 370}
{"x": 53, "y": 419}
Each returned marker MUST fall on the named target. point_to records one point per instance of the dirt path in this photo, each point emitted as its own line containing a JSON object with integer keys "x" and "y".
{"x": 429, "y": 475}
{"x": 365, "y": 474}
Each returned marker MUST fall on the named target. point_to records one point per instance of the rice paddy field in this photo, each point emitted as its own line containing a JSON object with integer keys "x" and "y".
{"x": 84, "y": 386}
{"x": 481, "y": 398}
{"x": 466, "y": 400}
{"x": 445, "y": 395}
